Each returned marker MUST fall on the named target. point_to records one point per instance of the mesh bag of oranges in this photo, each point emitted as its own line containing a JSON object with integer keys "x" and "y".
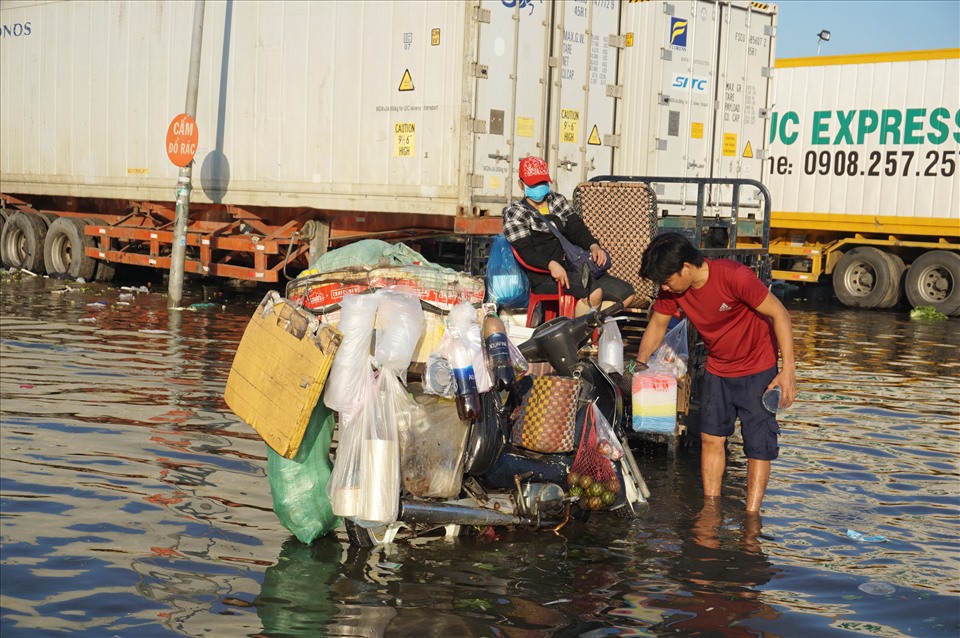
{"x": 592, "y": 477}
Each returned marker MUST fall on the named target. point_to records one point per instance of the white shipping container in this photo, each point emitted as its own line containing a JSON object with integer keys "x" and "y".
{"x": 407, "y": 107}
{"x": 868, "y": 135}
{"x": 696, "y": 101}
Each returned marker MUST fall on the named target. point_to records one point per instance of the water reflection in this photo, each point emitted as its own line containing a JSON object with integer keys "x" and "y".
{"x": 133, "y": 502}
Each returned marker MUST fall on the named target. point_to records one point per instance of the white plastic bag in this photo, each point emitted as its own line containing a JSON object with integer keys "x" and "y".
{"x": 399, "y": 327}
{"x": 357, "y": 314}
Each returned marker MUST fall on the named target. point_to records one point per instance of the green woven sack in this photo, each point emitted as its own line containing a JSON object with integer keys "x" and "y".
{"x": 299, "y": 485}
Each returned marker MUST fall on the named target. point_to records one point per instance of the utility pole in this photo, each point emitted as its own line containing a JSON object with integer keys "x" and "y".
{"x": 175, "y": 287}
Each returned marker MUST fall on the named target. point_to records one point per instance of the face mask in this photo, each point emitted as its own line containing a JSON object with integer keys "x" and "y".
{"x": 537, "y": 193}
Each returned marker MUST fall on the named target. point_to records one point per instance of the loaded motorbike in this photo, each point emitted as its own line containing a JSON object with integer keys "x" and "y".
{"x": 504, "y": 484}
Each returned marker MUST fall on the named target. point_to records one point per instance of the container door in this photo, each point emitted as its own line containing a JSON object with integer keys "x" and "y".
{"x": 581, "y": 110}
{"x": 670, "y": 88}
{"x": 688, "y": 89}
{"x": 744, "y": 83}
{"x": 510, "y": 96}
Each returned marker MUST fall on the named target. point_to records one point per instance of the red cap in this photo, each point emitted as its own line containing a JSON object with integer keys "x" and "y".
{"x": 533, "y": 170}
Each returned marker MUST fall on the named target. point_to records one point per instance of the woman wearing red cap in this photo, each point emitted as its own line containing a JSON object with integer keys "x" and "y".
{"x": 525, "y": 227}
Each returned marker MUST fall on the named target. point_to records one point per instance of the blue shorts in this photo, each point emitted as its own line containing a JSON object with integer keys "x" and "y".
{"x": 723, "y": 399}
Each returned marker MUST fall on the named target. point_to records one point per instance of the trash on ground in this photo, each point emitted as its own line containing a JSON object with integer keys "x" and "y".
{"x": 858, "y": 536}
{"x": 877, "y": 588}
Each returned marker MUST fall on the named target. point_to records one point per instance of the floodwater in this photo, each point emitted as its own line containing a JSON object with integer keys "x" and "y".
{"x": 134, "y": 503}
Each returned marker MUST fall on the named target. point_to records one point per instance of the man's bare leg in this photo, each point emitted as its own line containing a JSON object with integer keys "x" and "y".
{"x": 713, "y": 461}
{"x": 758, "y": 473}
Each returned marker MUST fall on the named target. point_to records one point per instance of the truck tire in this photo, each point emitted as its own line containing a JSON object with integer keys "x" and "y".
{"x": 64, "y": 250}
{"x": 895, "y": 291}
{"x": 22, "y": 242}
{"x": 864, "y": 278}
{"x": 933, "y": 279}
{"x": 4, "y": 213}
{"x": 105, "y": 270}
{"x": 48, "y": 218}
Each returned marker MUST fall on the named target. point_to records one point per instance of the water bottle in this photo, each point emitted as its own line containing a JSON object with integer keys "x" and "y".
{"x": 771, "y": 400}
{"x": 465, "y": 380}
{"x": 497, "y": 350}
{"x": 611, "y": 347}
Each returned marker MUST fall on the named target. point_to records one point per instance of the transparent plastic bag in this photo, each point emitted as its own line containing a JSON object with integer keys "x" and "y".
{"x": 346, "y": 481}
{"x": 671, "y": 356}
{"x": 610, "y": 347}
{"x": 607, "y": 443}
{"x": 399, "y": 327}
{"x": 438, "y": 373}
{"x": 463, "y": 319}
{"x": 380, "y": 451}
{"x": 357, "y": 316}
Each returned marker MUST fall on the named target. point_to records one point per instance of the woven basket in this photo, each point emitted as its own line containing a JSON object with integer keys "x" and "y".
{"x": 548, "y": 414}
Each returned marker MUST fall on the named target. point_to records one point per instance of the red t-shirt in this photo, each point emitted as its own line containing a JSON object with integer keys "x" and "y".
{"x": 739, "y": 340}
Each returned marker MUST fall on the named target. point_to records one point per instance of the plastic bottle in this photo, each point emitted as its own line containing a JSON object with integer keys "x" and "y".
{"x": 498, "y": 352}
{"x": 611, "y": 347}
{"x": 465, "y": 380}
{"x": 771, "y": 400}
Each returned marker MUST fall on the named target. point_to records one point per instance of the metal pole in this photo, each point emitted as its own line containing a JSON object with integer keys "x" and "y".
{"x": 175, "y": 287}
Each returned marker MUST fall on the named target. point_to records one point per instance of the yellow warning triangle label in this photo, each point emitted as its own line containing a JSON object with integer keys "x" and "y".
{"x": 594, "y": 136}
{"x": 406, "y": 84}
{"x": 748, "y": 150}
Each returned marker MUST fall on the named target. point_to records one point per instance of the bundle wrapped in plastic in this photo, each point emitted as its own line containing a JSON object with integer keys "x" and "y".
{"x": 654, "y": 402}
{"x": 399, "y": 328}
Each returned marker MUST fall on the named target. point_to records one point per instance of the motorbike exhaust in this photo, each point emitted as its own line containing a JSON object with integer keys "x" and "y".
{"x": 437, "y": 513}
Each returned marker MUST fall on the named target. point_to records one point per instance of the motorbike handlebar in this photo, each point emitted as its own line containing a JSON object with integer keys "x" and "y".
{"x": 559, "y": 340}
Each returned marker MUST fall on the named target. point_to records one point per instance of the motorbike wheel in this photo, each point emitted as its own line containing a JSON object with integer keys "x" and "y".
{"x": 360, "y": 536}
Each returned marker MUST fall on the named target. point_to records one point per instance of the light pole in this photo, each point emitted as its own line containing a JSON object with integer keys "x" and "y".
{"x": 823, "y": 36}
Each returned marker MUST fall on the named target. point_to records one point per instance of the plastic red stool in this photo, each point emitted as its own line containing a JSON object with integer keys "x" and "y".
{"x": 566, "y": 304}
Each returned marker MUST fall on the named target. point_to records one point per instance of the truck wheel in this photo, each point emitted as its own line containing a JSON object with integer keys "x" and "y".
{"x": 22, "y": 242}
{"x": 895, "y": 291}
{"x": 933, "y": 279}
{"x": 105, "y": 271}
{"x": 64, "y": 250}
{"x": 863, "y": 278}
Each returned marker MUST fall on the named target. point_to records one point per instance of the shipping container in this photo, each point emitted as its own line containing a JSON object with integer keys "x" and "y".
{"x": 863, "y": 175}
{"x": 319, "y": 122}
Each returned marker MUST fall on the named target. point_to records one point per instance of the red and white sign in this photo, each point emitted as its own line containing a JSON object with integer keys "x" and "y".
{"x": 182, "y": 138}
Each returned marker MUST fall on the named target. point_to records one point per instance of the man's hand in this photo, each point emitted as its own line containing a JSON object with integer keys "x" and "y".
{"x": 787, "y": 380}
{"x": 598, "y": 255}
{"x": 559, "y": 274}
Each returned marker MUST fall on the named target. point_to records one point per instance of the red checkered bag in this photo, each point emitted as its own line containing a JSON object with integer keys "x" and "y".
{"x": 547, "y": 416}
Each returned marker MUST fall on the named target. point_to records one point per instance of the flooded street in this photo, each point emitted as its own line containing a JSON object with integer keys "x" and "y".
{"x": 134, "y": 503}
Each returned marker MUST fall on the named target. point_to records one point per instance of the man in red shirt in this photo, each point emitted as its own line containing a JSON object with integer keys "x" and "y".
{"x": 744, "y": 328}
